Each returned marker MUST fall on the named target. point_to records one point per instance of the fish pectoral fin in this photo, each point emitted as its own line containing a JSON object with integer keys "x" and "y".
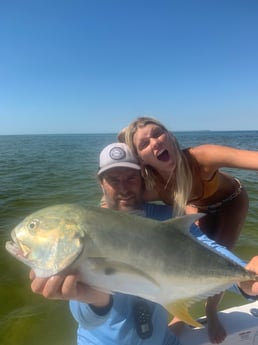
{"x": 180, "y": 310}
{"x": 126, "y": 276}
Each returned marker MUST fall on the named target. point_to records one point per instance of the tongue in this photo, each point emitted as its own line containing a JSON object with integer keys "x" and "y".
{"x": 164, "y": 156}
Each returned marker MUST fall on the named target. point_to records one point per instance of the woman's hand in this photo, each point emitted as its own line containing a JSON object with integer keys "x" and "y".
{"x": 250, "y": 287}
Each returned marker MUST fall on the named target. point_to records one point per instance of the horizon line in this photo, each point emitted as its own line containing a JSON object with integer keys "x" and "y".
{"x": 115, "y": 133}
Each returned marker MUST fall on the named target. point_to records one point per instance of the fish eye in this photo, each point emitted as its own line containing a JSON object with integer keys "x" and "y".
{"x": 32, "y": 226}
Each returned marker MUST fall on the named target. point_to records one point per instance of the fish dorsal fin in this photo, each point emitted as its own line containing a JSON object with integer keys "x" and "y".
{"x": 126, "y": 278}
{"x": 180, "y": 310}
{"x": 183, "y": 223}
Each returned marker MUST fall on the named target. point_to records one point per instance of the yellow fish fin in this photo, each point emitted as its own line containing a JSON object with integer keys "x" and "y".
{"x": 180, "y": 310}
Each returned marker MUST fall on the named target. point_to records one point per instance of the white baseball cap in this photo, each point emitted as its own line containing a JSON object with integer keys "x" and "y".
{"x": 117, "y": 155}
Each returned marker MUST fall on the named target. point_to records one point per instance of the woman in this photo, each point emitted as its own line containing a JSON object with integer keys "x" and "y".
{"x": 191, "y": 181}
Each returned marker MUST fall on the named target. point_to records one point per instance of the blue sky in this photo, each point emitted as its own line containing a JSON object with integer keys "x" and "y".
{"x": 87, "y": 66}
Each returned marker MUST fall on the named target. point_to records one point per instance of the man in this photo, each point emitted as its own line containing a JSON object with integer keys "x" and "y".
{"x": 122, "y": 185}
{"x": 118, "y": 319}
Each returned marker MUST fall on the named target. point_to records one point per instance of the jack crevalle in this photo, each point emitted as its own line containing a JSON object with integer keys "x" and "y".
{"x": 117, "y": 251}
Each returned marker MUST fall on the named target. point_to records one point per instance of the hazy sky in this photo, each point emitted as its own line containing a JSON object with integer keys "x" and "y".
{"x": 83, "y": 66}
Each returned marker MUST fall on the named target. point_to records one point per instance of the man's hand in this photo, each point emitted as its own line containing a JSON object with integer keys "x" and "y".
{"x": 251, "y": 287}
{"x": 68, "y": 288}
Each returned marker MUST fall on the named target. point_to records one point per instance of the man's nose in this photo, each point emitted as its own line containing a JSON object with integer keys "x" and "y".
{"x": 123, "y": 187}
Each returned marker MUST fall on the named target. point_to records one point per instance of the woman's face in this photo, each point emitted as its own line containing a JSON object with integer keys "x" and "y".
{"x": 154, "y": 147}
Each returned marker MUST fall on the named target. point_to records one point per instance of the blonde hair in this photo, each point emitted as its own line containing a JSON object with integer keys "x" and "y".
{"x": 182, "y": 175}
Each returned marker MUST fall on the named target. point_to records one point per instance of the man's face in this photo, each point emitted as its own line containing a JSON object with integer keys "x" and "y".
{"x": 122, "y": 188}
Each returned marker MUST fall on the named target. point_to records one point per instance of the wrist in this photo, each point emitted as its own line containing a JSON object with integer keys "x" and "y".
{"x": 102, "y": 308}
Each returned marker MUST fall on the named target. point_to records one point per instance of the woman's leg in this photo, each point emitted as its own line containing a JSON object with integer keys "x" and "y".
{"x": 224, "y": 226}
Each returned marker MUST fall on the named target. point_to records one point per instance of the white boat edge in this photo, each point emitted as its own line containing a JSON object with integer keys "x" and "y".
{"x": 241, "y": 324}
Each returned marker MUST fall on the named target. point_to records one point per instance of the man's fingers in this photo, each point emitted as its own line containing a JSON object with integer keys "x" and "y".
{"x": 38, "y": 284}
{"x": 32, "y": 275}
{"x": 69, "y": 287}
{"x": 53, "y": 287}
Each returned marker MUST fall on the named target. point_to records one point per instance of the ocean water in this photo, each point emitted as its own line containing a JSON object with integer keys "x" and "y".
{"x": 41, "y": 170}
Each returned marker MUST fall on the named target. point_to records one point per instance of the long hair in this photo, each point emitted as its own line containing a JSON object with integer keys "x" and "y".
{"x": 182, "y": 175}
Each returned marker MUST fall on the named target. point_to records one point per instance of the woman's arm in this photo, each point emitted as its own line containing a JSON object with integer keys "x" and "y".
{"x": 216, "y": 156}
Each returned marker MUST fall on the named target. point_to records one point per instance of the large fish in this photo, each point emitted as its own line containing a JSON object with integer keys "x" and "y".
{"x": 116, "y": 251}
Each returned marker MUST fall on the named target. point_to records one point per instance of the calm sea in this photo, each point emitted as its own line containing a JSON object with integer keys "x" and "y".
{"x": 41, "y": 170}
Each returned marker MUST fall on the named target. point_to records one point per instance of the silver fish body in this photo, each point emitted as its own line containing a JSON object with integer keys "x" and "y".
{"x": 116, "y": 251}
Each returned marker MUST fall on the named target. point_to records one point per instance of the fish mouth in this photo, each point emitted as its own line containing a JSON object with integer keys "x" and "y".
{"x": 18, "y": 250}
{"x": 163, "y": 155}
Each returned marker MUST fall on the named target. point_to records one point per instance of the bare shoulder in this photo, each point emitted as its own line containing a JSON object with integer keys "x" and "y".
{"x": 206, "y": 149}
{"x": 204, "y": 152}
{"x": 208, "y": 158}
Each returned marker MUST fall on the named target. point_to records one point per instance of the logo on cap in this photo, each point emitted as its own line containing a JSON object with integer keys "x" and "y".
{"x": 117, "y": 153}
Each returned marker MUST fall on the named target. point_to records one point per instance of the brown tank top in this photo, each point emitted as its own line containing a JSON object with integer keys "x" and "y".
{"x": 210, "y": 186}
{"x": 207, "y": 187}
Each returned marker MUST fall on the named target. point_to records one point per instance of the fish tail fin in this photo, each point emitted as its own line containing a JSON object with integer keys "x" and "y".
{"x": 180, "y": 310}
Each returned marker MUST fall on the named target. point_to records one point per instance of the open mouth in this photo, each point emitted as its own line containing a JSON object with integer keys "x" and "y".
{"x": 17, "y": 251}
{"x": 163, "y": 156}
{"x": 13, "y": 248}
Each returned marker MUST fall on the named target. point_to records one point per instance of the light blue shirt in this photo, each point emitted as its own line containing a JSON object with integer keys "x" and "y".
{"x": 118, "y": 326}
